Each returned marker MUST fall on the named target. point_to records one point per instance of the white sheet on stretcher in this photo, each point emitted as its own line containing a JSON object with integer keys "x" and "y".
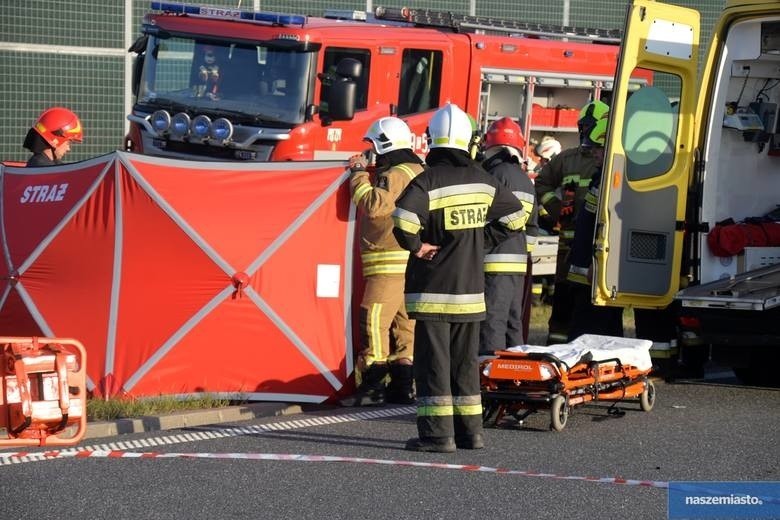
{"x": 630, "y": 351}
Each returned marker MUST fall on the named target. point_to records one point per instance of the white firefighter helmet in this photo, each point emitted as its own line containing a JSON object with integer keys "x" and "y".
{"x": 450, "y": 127}
{"x": 388, "y": 134}
{"x": 548, "y": 148}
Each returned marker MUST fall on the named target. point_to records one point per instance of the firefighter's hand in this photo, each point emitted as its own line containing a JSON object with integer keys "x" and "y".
{"x": 358, "y": 163}
{"x": 427, "y": 251}
{"x": 567, "y": 209}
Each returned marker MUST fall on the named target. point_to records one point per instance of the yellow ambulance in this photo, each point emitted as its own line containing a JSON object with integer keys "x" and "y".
{"x": 691, "y": 183}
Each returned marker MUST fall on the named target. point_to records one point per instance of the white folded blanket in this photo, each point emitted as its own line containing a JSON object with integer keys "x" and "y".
{"x": 630, "y": 351}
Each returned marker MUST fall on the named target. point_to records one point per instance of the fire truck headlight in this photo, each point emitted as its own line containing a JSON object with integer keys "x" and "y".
{"x": 180, "y": 124}
{"x": 161, "y": 121}
{"x": 221, "y": 129}
{"x": 201, "y": 126}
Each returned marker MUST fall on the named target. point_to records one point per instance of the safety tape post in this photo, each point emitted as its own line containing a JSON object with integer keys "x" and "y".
{"x": 116, "y": 454}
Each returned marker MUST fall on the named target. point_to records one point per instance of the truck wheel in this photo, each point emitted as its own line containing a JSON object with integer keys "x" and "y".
{"x": 559, "y": 413}
{"x": 647, "y": 399}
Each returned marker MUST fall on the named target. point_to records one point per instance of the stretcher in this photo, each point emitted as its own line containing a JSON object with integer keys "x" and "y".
{"x": 522, "y": 380}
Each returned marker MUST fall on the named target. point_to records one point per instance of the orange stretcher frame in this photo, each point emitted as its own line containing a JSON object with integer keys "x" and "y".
{"x": 518, "y": 384}
{"x": 43, "y": 395}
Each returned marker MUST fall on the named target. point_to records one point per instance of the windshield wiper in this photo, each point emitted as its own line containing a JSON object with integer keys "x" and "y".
{"x": 239, "y": 116}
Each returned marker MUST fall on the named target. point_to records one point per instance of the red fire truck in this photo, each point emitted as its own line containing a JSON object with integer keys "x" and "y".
{"x": 223, "y": 84}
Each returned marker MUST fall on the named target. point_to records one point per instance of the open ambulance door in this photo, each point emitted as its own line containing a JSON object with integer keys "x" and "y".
{"x": 640, "y": 220}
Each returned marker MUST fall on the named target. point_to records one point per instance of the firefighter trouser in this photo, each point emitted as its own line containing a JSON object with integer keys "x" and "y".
{"x": 561, "y": 313}
{"x": 503, "y": 325}
{"x": 446, "y": 372}
{"x": 382, "y": 314}
{"x": 592, "y": 319}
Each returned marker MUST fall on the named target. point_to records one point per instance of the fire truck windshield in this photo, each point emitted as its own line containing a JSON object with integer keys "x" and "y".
{"x": 264, "y": 82}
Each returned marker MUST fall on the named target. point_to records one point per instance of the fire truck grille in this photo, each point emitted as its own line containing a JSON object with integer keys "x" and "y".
{"x": 258, "y": 153}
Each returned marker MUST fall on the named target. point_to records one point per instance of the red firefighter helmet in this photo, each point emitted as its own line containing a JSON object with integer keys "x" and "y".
{"x": 57, "y": 125}
{"x": 505, "y": 132}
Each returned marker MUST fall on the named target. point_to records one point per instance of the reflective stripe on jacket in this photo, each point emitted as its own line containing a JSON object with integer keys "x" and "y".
{"x": 507, "y": 254}
{"x": 379, "y": 250}
{"x": 448, "y": 205}
{"x": 581, "y": 253}
{"x": 573, "y": 167}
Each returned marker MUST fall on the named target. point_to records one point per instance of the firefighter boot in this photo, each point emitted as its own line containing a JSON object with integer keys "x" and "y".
{"x": 470, "y": 442}
{"x": 401, "y": 388}
{"x": 431, "y": 444}
{"x": 371, "y": 391}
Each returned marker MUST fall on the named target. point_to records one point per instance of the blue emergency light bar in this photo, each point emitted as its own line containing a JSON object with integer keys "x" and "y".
{"x": 230, "y": 14}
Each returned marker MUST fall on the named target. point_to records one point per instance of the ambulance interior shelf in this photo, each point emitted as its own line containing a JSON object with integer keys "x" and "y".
{"x": 756, "y": 119}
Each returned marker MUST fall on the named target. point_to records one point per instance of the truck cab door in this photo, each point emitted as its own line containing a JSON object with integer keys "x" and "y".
{"x": 648, "y": 157}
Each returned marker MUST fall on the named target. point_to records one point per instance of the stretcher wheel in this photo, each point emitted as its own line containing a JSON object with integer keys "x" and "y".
{"x": 559, "y": 413}
{"x": 490, "y": 414}
{"x": 647, "y": 399}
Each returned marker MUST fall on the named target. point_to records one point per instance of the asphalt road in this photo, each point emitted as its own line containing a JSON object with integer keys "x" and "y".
{"x": 273, "y": 467}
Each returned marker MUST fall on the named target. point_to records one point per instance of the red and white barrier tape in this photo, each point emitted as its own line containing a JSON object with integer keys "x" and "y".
{"x": 118, "y": 449}
{"x": 116, "y": 454}
{"x": 212, "y": 433}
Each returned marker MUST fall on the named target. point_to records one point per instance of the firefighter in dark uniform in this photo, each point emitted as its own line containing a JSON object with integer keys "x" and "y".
{"x": 506, "y": 260}
{"x": 440, "y": 219}
{"x": 382, "y": 311}
{"x": 588, "y": 318}
{"x": 50, "y": 137}
{"x": 561, "y": 188}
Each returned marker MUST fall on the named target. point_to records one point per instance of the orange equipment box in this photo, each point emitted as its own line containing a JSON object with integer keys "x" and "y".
{"x": 554, "y": 117}
{"x": 42, "y": 391}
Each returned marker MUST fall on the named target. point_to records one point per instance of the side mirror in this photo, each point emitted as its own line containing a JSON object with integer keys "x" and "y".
{"x": 138, "y": 67}
{"x": 349, "y": 68}
{"x": 341, "y": 105}
{"x": 138, "y": 47}
{"x": 341, "y": 96}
